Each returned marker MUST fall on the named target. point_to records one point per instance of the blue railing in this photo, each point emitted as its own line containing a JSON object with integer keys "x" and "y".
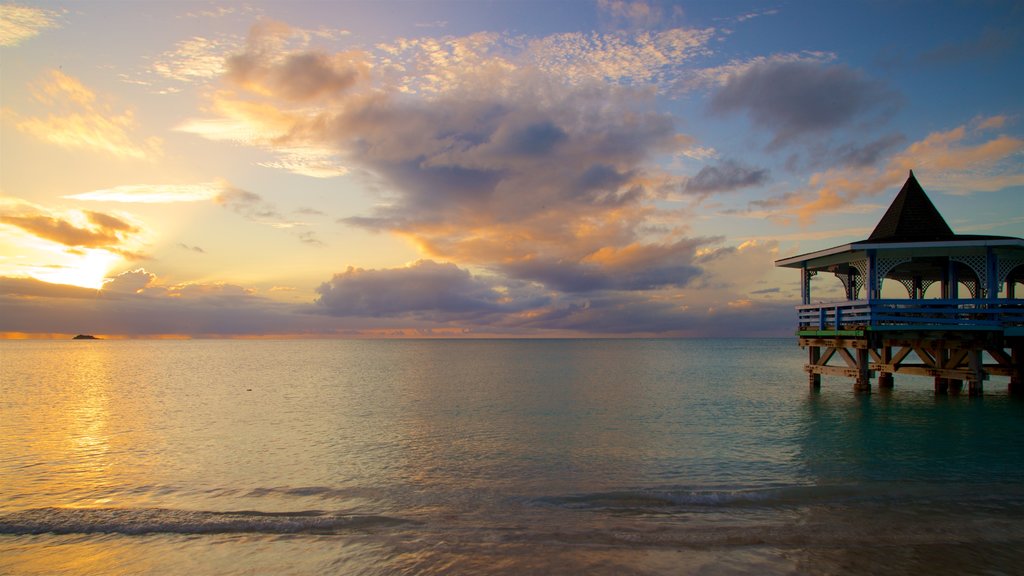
{"x": 861, "y": 314}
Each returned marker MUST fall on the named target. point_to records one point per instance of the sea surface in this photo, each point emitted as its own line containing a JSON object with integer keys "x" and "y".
{"x": 493, "y": 457}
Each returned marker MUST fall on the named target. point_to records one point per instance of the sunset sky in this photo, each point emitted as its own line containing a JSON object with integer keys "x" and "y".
{"x": 472, "y": 168}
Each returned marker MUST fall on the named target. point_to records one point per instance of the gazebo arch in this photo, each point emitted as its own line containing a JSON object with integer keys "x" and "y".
{"x": 914, "y": 246}
{"x": 1011, "y": 278}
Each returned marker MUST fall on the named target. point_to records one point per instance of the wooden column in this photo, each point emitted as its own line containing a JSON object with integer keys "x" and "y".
{"x": 863, "y": 383}
{"x": 813, "y": 356}
{"x": 1016, "y": 386}
{"x": 941, "y": 383}
{"x": 885, "y": 379}
{"x": 974, "y": 381}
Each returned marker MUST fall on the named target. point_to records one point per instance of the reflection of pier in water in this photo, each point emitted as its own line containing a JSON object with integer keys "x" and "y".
{"x": 950, "y": 338}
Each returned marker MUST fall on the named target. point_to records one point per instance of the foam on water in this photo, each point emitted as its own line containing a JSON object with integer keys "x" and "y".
{"x": 668, "y": 499}
{"x": 134, "y": 521}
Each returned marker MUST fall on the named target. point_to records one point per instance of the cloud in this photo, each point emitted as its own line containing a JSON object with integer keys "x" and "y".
{"x": 248, "y": 204}
{"x": 135, "y": 304}
{"x": 67, "y": 246}
{"x": 133, "y": 281}
{"x": 859, "y": 155}
{"x": 633, "y": 315}
{"x": 726, "y": 176}
{"x": 432, "y": 66}
{"x": 512, "y": 172}
{"x": 959, "y": 161}
{"x": 75, "y": 229}
{"x": 308, "y": 161}
{"x": 32, "y": 288}
{"x": 992, "y": 44}
{"x": 424, "y": 289}
{"x": 20, "y": 23}
{"x": 194, "y": 59}
{"x": 82, "y": 122}
{"x": 297, "y": 76}
{"x": 184, "y": 246}
{"x": 632, "y": 267}
{"x": 716, "y": 77}
{"x": 794, "y": 99}
{"x": 645, "y": 58}
{"x": 635, "y": 14}
{"x": 540, "y": 178}
{"x": 153, "y": 193}
{"x": 756, "y": 14}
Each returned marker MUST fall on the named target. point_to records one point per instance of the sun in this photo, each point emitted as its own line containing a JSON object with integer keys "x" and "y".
{"x": 87, "y": 269}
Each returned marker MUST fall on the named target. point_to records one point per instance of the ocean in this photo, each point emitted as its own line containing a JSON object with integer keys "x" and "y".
{"x": 493, "y": 457}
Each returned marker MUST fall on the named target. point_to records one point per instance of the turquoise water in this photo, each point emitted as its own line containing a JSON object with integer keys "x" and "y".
{"x": 492, "y": 456}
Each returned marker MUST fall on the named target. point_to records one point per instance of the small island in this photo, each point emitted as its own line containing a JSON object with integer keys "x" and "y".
{"x": 85, "y": 337}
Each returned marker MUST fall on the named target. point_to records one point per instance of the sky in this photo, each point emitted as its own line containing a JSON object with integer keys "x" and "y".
{"x": 480, "y": 168}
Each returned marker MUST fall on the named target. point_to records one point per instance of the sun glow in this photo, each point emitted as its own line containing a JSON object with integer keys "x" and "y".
{"x": 88, "y": 270}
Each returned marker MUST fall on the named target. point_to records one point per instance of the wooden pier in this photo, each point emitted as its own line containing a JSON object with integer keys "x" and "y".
{"x": 952, "y": 339}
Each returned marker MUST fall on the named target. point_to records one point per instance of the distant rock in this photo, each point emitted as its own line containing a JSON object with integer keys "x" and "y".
{"x": 85, "y": 337}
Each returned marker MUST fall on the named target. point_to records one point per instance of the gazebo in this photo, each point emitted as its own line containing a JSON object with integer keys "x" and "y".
{"x": 960, "y": 320}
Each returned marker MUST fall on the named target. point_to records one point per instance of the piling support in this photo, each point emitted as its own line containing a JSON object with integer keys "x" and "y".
{"x": 813, "y": 356}
{"x": 863, "y": 382}
{"x": 1016, "y": 386}
{"x": 974, "y": 381}
{"x": 885, "y": 379}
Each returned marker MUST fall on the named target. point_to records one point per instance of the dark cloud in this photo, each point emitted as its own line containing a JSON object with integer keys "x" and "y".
{"x": 725, "y": 177}
{"x": 425, "y": 289}
{"x": 299, "y": 76}
{"x": 992, "y": 44}
{"x": 632, "y": 314}
{"x": 184, "y": 246}
{"x": 869, "y": 154}
{"x": 535, "y": 139}
{"x": 793, "y": 99}
{"x": 825, "y": 154}
{"x": 638, "y": 267}
{"x": 309, "y": 237}
{"x": 247, "y": 204}
{"x": 30, "y": 287}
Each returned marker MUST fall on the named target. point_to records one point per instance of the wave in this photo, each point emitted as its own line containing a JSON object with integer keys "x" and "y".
{"x": 133, "y": 521}
{"x": 667, "y": 500}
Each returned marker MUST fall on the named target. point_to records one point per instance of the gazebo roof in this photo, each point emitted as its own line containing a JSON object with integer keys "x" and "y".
{"x": 911, "y": 218}
{"x": 911, "y": 221}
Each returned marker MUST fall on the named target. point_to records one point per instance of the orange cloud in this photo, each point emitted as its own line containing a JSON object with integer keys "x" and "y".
{"x": 19, "y": 23}
{"x": 80, "y": 122}
{"x": 958, "y": 161}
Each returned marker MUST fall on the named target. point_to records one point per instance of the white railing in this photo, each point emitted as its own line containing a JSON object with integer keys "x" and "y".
{"x": 860, "y": 314}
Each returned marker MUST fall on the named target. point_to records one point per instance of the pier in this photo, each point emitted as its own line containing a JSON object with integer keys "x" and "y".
{"x": 959, "y": 323}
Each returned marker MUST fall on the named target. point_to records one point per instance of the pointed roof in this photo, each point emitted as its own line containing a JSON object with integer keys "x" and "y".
{"x": 911, "y": 218}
